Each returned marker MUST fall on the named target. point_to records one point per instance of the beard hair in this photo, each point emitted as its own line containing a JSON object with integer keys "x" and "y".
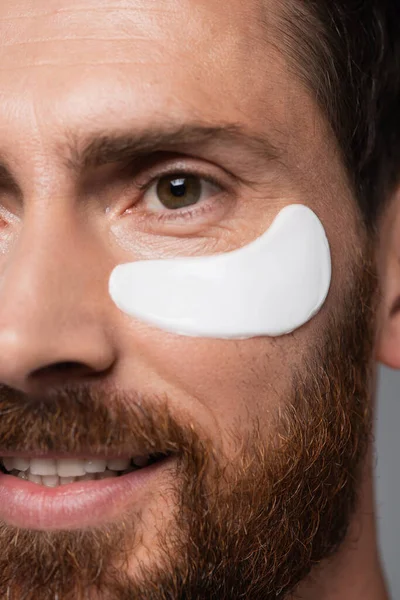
{"x": 253, "y": 529}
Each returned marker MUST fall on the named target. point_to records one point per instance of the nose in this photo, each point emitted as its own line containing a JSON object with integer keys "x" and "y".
{"x": 53, "y": 329}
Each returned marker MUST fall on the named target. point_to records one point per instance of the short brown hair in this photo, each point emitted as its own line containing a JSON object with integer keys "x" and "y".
{"x": 349, "y": 56}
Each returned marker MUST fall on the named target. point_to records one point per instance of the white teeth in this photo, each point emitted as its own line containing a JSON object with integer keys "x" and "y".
{"x": 21, "y": 464}
{"x": 69, "y": 467}
{"x": 94, "y": 466}
{"x": 118, "y": 464}
{"x": 34, "y": 478}
{"x": 43, "y": 466}
{"x": 141, "y": 461}
{"x": 53, "y": 472}
{"x": 50, "y": 480}
{"x": 8, "y": 463}
{"x": 66, "y": 480}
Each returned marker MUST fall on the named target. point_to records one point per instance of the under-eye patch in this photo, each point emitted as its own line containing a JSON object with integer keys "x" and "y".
{"x": 270, "y": 287}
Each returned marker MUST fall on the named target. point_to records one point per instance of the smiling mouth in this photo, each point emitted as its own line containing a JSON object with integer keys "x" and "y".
{"x": 54, "y": 472}
{"x": 70, "y": 492}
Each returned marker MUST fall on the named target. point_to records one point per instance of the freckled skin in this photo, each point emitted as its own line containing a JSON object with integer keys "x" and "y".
{"x": 83, "y": 67}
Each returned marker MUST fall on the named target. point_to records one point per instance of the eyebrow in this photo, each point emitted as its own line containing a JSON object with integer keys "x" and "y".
{"x": 107, "y": 148}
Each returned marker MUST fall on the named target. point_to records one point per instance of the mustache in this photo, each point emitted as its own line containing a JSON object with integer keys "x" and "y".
{"x": 82, "y": 420}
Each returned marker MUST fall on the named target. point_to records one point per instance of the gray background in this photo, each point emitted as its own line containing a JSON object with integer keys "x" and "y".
{"x": 388, "y": 474}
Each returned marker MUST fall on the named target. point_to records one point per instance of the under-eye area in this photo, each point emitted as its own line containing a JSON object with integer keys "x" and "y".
{"x": 63, "y": 471}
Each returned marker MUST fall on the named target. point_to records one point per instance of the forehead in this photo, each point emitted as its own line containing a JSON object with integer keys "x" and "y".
{"x": 79, "y": 62}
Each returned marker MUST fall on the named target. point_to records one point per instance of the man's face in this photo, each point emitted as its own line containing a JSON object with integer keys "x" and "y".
{"x": 264, "y": 437}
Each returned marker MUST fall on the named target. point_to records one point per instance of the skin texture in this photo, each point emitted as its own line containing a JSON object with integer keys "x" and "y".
{"x": 71, "y": 72}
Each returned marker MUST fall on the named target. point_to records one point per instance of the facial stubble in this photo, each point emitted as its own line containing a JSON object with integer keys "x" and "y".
{"x": 252, "y": 529}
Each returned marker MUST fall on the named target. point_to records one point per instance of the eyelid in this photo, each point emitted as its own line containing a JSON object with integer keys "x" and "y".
{"x": 185, "y": 166}
{"x": 152, "y": 182}
{"x": 189, "y": 218}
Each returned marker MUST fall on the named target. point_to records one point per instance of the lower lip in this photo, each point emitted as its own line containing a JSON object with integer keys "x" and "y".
{"x": 77, "y": 505}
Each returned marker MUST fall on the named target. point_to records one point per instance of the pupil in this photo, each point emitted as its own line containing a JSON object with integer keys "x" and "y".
{"x": 178, "y": 187}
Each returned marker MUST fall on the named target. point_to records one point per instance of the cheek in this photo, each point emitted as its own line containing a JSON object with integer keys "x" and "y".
{"x": 220, "y": 384}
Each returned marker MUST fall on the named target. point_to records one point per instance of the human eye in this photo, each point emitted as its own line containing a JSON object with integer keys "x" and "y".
{"x": 177, "y": 191}
{"x": 179, "y": 196}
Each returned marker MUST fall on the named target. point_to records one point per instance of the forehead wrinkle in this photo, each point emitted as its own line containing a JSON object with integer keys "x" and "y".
{"x": 134, "y": 20}
{"x": 49, "y": 31}
{"x": 71, "y": 38}
{"x": 107, "y": 17}
{"x": 27, "y": 14}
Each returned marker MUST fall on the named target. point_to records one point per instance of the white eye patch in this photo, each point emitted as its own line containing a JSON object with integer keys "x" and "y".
{"x": 270, "y": 287}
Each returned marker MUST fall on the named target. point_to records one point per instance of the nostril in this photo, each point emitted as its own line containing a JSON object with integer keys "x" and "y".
{"x": 67, "y": 366}
{"x": 61, "y": 370}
